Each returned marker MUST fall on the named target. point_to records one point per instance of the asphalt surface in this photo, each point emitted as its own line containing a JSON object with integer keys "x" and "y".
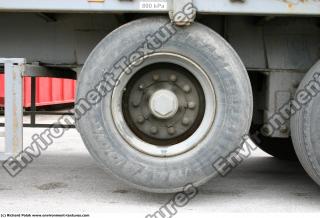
{"x": 65, "y": 179}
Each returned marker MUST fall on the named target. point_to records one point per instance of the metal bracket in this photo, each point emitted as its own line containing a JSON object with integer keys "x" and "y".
{"x": 37, "y": 70}
{"x": 13, "y": 70}
{"x": 182, "y": 12}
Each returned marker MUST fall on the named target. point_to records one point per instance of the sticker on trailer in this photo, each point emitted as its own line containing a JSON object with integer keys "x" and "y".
{"x": 153, "y": 5}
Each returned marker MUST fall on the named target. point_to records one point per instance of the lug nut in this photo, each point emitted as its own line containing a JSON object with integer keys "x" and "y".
{"x": 284, "y": 129}
{"x": 156, "y": 77}
{"x": 173, "y": 78}
{"x": 140, "y": 119}
{"x": 186, "y": 88}
{"x": 185, "y": 121}
{"x": 191, "y": 105}
{"x": 171, "y": 130}
{"x": 154, "y": 130}
{"x": 135, "y": 104}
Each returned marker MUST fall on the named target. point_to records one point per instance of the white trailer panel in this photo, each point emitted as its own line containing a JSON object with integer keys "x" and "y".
{"x": 253, "y": 7}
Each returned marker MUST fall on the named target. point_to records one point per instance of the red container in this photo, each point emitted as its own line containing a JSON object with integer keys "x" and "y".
{"x": 49, "y": 91}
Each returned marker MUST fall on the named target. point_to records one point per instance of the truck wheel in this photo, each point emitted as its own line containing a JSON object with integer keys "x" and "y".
{"x": 281, "y": 148}
{"x": 174, "y": 110}
{"x": 305, "y": 124}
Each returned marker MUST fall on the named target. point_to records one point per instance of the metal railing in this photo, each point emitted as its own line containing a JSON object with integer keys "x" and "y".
{"x": 14, "y": 70}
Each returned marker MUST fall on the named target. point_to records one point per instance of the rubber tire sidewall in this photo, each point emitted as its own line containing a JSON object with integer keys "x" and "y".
{"x": 305, "y": 128}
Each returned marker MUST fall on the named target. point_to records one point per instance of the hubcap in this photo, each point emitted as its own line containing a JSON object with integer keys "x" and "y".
{"x": 163, "y": 104}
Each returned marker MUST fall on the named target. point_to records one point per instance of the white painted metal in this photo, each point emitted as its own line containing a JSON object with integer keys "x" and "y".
{"x": 257, "y": 7}
{"x": 178, "y": 6}
{"x": 13, "y": 69}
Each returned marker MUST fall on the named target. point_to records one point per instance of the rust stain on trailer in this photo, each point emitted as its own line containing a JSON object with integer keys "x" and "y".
{"x": 96, "y": 0}
{"x": 292, "y": 3}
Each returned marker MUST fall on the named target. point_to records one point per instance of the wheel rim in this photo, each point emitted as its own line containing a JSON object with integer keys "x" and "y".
{"x": 165, "y": 106}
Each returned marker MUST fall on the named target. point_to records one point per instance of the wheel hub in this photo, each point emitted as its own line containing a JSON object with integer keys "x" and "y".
{"x": 163, "y": 104}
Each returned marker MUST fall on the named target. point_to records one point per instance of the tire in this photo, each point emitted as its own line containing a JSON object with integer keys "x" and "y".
{"x": 305, "y": 126}
{"x": 110, "y": 146}
{"x": 281, "y": 148}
